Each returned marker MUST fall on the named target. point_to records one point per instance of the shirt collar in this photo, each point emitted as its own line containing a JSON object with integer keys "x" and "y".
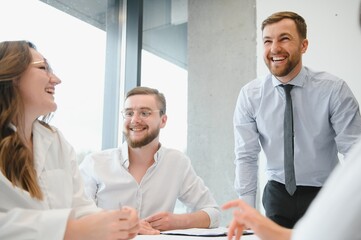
{"x": 125, "y": 154}
{"x": 298, "y": 81}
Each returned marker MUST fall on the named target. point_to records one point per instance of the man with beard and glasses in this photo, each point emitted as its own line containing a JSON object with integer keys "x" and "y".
{"x": 324, "y": 121}
{"x": 145, "y": 175}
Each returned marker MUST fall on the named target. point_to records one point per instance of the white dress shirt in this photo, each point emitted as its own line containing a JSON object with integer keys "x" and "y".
{"x": 171, "y": 177}
{"x": 23, "y": 217}
{"x": 326, "y": 121}
{"x": 336, "y": 211}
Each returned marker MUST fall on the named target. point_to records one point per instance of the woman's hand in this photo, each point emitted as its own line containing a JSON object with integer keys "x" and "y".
{"x": 263, "y": 227}
{"x": 116, "y": 224}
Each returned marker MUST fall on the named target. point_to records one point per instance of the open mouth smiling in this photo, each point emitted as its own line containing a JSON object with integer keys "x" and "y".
{"x": 50, "y": 90}
{"x": 137, "y": 129}
{"x": 277, "y": 59}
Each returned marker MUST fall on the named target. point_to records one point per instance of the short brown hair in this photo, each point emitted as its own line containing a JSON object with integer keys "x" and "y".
{"x": 150, "y": 91}
{"x": 298, "y": 20}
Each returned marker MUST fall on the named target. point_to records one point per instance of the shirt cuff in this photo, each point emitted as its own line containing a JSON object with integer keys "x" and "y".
{"x": 214, "y": 216}
{"x": 250, "y": 200}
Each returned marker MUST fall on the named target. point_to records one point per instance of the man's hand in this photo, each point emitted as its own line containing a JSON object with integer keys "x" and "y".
{"x": 146, "y": 228}
{"x": 163, "y": 221}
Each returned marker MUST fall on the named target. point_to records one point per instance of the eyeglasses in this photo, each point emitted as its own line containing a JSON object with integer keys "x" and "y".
{"x": 142, "y": 113}
{"x": 43, "y": 64}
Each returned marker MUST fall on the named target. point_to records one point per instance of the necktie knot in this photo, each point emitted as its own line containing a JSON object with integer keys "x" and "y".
{"x": 287, "y": 88}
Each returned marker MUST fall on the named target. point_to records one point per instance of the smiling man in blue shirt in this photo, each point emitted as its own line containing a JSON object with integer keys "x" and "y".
{"x": 326, "y": 121}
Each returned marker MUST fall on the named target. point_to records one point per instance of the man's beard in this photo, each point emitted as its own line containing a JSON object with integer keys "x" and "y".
{"x": 287, "y": 69}
{"x": 283, "y": 72}
{"x": 144, "y": 141}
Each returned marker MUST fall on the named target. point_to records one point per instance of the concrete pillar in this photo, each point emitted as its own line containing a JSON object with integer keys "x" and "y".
{"x": 221, "y": 59}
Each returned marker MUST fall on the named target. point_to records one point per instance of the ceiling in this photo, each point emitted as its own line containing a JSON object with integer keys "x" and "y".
{"x": 90, "y": 11}
{"x": 164, "y": 24}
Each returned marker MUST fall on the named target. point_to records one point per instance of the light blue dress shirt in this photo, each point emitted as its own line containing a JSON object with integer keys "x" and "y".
{"x": 326, "y": 122}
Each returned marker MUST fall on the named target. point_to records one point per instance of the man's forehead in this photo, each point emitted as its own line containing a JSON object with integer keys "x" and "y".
{"x": 140, "y": 101}
{"x": 285, "y": 25}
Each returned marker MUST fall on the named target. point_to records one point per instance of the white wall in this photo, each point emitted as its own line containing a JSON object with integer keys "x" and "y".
{"x": 334, "y": 36}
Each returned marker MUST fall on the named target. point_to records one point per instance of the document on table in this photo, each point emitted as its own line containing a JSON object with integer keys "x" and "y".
{"x": 203, "y": 232}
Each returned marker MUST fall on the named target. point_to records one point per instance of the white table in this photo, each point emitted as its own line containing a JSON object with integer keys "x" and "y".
{"x": 195, "y": 234}
{"x": 172, "y": 237}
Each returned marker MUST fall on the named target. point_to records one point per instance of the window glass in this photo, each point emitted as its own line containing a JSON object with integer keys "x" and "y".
{"x": 76, "y": 52}
{"x": 171, "y": 80}
{"x": 164, "y": 63}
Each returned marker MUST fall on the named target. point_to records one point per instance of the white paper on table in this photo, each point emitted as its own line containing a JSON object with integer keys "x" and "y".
{"x": 202, "y": 232}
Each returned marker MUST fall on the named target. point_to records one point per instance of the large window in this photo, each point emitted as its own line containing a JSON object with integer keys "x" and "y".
{"x": 76, "y": 52}
{"x": 164, "y": 66}
{"x": 171, "y": 80}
